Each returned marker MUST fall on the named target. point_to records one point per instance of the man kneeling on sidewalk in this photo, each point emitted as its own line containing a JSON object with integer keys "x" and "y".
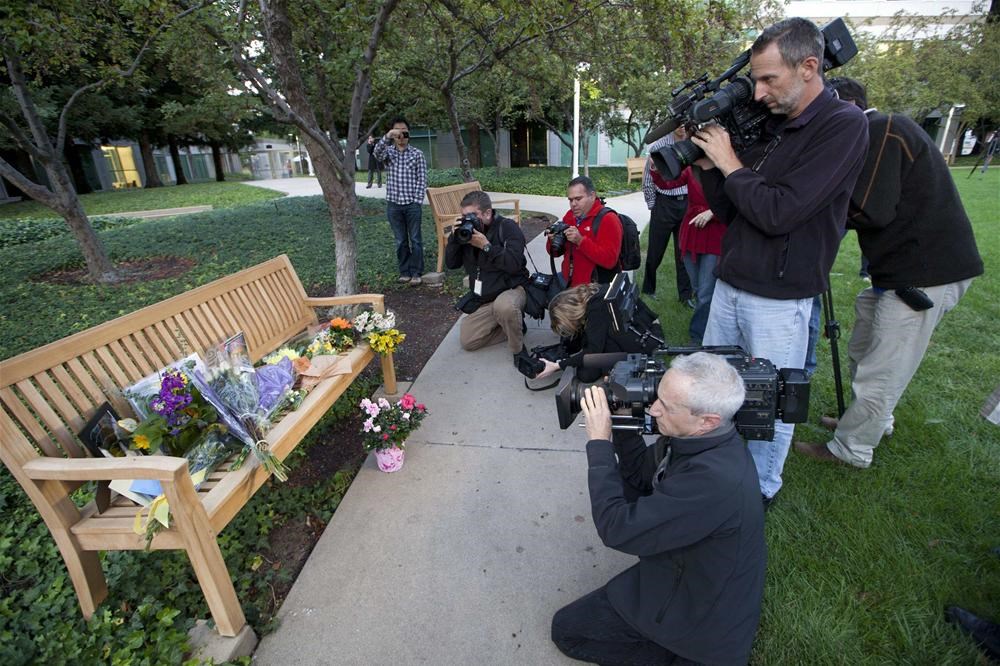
{"x": 493, "y": 258}
{"x": 689, "y": 507}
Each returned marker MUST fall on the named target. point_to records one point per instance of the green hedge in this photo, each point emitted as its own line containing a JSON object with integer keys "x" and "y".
{"x": 537, "y": 180}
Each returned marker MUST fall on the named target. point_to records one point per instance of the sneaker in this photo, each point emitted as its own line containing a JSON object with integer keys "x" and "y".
{"x": 416, "y": 281}
{"x": 689, "y": 303}
{"x": 404, "y": 279}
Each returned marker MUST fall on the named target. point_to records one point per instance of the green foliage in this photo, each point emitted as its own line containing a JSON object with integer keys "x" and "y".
{"x": 862, "y": 563}
{"x": 220, "y": 242}
{"x": 15, "y": 231}
{"x": 217, "y": 195}
{"x": 536, "y": 180}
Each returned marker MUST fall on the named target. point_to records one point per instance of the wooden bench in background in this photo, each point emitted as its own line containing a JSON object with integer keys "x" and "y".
{"x": 446, "y": 202}
{"x": 48, "y": 394}
{"x": 636, "y": 166}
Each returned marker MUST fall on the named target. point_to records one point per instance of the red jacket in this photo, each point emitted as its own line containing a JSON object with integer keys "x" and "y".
{"x": 600, "y": 251}
{"x": 695, "y": 241}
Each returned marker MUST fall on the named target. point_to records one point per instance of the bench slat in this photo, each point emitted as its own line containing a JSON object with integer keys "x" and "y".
{"x": 56, "y": 398}
{"x": 137, "y": 353}
{"x": 68, "y": 386}
{"x": 118, "y": 375}
{"x": 109, "y": 387}
{"x": 84, "y": 379}
{"x": 20, "y": 414}
{"x": 168, "y": 340}
{"x": 281, "y": 300}
{"x": 49, "y": 418}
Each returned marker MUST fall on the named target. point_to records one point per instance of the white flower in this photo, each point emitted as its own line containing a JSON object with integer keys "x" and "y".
{"x": 369, "y": 426}
{"x": 383, "y": 403}
{"x": 377, "y": 429}
{"x": 406, "y": 416}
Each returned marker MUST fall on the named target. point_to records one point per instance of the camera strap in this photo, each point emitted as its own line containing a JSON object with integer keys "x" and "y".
{"x": 768, "y": 149}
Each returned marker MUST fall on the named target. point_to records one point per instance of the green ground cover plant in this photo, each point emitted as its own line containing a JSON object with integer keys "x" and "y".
{"x": 609, "y": 181}
{"x": 217, "y": 195}
{"x": 861, "y": 563}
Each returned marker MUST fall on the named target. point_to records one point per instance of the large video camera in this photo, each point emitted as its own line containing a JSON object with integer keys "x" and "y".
{"x": 700, "y": 101}
{"x": 632, "y": 381}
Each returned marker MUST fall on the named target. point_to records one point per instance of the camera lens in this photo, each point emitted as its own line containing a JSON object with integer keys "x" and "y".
{"x": 406, "y": 134}
{"x": 671, "y": 160}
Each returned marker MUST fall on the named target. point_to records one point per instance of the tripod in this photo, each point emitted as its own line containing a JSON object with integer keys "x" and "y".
{"x": 986, "y": 156}
{"x": 832, "y": 331}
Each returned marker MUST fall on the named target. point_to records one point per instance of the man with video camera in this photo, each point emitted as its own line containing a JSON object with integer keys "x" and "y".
{"x": 784, "y": 200}
{"x": 689, "y": 508}
{"x": 922, "y": 252}
{"x": 491, "y": 249}
{"x": 588, "y": 240}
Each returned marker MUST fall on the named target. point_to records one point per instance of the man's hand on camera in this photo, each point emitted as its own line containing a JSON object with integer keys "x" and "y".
{"x": 550, "y": 369}
{"x": 714, "y": 140}
{"x": 478, "y": 240}
{"x": 594, "y": 405}
{"x": 573, "y": 235}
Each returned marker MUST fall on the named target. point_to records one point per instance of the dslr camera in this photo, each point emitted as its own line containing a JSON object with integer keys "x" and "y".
{"x": 701, "y": 101}
{"x": 468, "y": 223}
{"x": 632, "y": 381}
{"x": 557, "y": 234}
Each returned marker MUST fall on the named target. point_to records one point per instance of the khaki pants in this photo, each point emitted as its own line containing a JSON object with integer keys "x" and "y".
{"x": 887, "y": 344}
{"x": 495, "y": 322}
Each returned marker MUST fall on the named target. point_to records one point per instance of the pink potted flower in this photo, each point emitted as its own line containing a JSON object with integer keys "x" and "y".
{"x": 386, "y": 427}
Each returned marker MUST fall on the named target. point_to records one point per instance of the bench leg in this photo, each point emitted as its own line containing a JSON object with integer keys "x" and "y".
{"x": 388, "y": 374}
{"x": 440, "y": 251}
{"x": 84, "y": 569}
{"x": 206, "y": 558}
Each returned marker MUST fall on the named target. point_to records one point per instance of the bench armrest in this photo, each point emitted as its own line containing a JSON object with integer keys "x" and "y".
{"x": 377, "y": 300}
{"x": 157, "y": 468}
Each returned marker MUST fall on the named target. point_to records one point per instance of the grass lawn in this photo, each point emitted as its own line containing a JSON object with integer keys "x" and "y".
{"x": 217, "y": 195}
{"x": 609, "y": 181}
{"x": 862, "y": 563}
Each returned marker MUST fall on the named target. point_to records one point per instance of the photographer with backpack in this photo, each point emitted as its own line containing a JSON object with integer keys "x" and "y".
{"x": 590, "y": 248}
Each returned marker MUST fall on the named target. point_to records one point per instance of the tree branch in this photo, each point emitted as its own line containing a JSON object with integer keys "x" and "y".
{"x": 32, "y": 189}
{"x": 119, "y": 73}
{"x": 21, "y": 139}
{"x": 362, "y": 80}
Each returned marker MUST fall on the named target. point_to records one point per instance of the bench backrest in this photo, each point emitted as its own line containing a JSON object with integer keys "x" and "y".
{"x": 446, "y": 202}
{"x": 48, "y": 394}
{"x": 635, "y": 165}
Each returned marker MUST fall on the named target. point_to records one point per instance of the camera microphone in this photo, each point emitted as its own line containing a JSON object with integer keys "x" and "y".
{"x": 661, "y": 131}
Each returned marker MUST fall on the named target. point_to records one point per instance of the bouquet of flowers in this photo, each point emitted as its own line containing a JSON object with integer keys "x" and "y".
{"x": 181, "y": 417}
{"x": 246, "y": 399}
{"x": 379, "y": 330}
{"x": 335, "y": 337}
{"x": 387, "y": 425}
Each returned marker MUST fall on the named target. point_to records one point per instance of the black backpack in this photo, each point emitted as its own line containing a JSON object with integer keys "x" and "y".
{"x": 630, "y": 255}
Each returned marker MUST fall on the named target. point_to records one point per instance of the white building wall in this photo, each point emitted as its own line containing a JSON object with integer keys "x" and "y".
{"x": 880, "y": 13}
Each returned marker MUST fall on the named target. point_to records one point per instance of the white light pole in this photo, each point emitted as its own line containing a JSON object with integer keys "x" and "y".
{"x": 580, "y": 68}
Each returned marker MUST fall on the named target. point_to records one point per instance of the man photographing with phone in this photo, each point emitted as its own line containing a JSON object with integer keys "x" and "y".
{"x": 689, "y": 508}
{"x": 405, "y": 186}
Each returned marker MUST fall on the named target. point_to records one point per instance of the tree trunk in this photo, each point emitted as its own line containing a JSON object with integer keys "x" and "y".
{"x": 220, "y": 173}
{"x": 456, "y": 131}
{"x": 339, "y": 195}
{"x": 175, "y": 157}
{"x": 475, "y": 154}
{"x": 99, "y": 266}
{"x": 148, "y": 161}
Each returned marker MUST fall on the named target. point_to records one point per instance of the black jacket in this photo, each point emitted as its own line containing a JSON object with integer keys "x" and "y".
{"x": 599, "y": 336}
{"x": 909, "y": 217}
{"x": 503, "y": 267}
{"x": 696, "y": 522}
{"x": 786, "y": 218}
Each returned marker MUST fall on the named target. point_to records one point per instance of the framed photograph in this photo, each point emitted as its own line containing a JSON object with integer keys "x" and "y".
{"x": 100, "y": 432}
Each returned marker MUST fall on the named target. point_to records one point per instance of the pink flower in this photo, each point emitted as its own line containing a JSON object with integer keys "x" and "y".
{"x": 369, "y": 425}
{"x": 407, "y": 401}
{"x": 421, "y": 407}
{"x": 385, "y": 437}
{"x": 392, "y": 427}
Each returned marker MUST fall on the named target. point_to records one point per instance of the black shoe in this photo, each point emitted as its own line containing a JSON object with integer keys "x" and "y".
{"x": 524, "y": 326}
{"x": 767, "y": 501}
{"x": 648, "y": 292}
{"x": 986, "y": 634}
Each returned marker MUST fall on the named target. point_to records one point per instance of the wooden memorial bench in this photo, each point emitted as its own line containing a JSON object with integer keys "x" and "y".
{"x": 636, "y": 166}
{"x": 48, "y": 394}
{"x": 446, "y": 202}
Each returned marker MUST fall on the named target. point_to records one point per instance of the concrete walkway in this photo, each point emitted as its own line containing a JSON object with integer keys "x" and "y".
{"x": 463, "y": 556}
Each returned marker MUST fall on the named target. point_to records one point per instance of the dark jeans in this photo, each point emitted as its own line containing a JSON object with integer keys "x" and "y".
{"x": 405, "y": 222}
{"x": 589, "y": 629}
{"x": 372, "y": 170}
{"x": 665, "y": 221}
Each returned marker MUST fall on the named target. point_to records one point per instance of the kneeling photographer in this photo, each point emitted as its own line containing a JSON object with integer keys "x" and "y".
{"x": 596, "y": 318}
{"x": 491, "y": 249}
{"x": 689, "y": 508}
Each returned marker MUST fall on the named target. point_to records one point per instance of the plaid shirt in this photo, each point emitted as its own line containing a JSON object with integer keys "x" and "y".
{"x": 649, "y": 188}
{"x": 406, "y": 181}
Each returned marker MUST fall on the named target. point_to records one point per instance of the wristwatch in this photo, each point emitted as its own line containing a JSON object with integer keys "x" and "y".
{"x": 487, "y": 247}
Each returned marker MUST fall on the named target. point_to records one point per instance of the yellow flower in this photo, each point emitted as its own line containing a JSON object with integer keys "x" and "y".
{"x": 141, "y": 442}
{"x": 284, "y": 352}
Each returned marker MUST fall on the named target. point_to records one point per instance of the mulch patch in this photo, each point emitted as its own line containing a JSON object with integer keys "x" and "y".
{"x": 136, "y": 270}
